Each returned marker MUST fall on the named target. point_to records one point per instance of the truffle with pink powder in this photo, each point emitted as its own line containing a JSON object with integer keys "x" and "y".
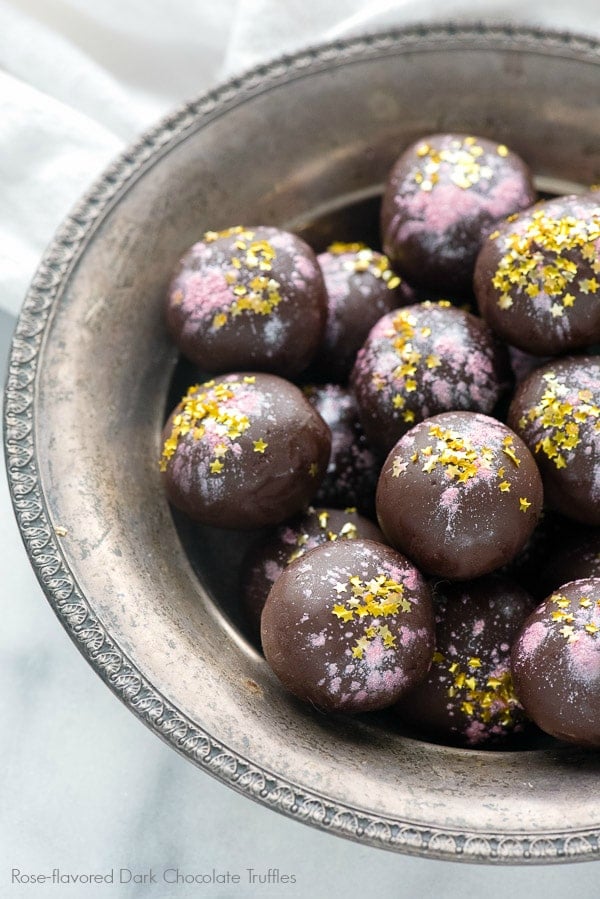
{"x": 349, "y": 627}
{"x": 460, "y": 494}
{"x": 556, "y": 663}
{"x": 424, "y": 359}
{"x": 468, "y": 697}
{"x": 243, "y": 450}
{"x": 248, "y": 298}
{"x": 443, "y": 197}
{"x": 291, "y": 540}
{"x": 361, "y": 287}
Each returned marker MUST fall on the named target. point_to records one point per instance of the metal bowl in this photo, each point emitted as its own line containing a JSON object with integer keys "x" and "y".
{"x": 305, "y": 143}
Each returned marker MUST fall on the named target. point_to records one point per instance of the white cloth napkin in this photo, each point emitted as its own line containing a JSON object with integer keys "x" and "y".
{"x": 79, "y": 80}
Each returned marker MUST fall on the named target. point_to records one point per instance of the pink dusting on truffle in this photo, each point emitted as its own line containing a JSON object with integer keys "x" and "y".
{"x": 478, "y": 627}
{"x": 584, "y": 656}
{"x": 450, "y": 499}
{"x": 402, "y": 575}
{"x": 406, "y": 636}
{"x": 452, "y": 205}
{"x": 288, "y": 536}
{"x": 334, "y": 685}
{"x": 386, "y": 681}
{"x": 411, "y": 578}
{"x": 479, "y": 366}
{"x": 532, "y": 637}
{"x": 509, "y": 194}
{"x": 316, "y": 640}
{"x": 272, "y": 570}
{"x": 442, "y": 392}
{"x": 375, "y": 653}
{"x": 305, "y": 267}
{"x": 475, "y": 733}
{"x": 451, "y": 347}
{"x": 206, "y": 292}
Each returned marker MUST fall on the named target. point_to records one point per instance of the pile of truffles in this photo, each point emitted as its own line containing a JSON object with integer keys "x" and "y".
{"x": 414, "y": 435}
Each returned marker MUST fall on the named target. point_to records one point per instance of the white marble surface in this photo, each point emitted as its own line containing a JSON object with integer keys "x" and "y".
{"x": 85, "y": 787}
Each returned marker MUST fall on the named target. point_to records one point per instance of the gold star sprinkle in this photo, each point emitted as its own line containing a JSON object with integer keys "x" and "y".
{"x": 524, "y": 504}
{"x": 259, "y": 445}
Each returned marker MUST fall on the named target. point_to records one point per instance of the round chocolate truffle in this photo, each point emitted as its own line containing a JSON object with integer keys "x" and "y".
{"x": 460, "y": 494}
{"x": 536, "y": 277}
{"x": 361, "y": 287}
{"x": 353, "y": 468}
{"x": 292, "y": 540}
{"x": 468, "y": 696}
{"x": 556, "y": 663}
{"x": 443, "y": 196}
{"x": 556, "y": 411}
{"x": 423, "y": 360}
{"x": 349, "y": 627}
{"x": 248, "y": 298}
{"x": 243, "y": 451}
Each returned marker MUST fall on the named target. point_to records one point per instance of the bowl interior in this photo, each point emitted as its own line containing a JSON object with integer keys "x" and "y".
{"x": 304, "y": 145}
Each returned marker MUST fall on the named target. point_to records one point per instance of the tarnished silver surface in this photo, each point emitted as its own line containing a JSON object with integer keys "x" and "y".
{"x": 294, "y": 143}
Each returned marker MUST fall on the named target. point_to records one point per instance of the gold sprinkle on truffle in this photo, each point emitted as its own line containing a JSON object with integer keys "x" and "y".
{"x": 380, "y": 597}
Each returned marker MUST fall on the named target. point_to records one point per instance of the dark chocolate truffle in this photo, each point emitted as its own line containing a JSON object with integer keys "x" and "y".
{"x": 460, "y": 494}
{"x": 443, "y": 197}
{"x": 353, "y": 468}
{"x": 290, "y": 541}
{"x": 423, "y": 360}
{"x": 349, "y": 627}
{"x": 361, "y": 287}
{"x": 243, "y": 451}
{"x": 536, "y": 277}
{"x": 556, "y": 663}
{"x": 248, "y": 298}
{"x": 556, "y": 411}
{"x": 468, "y": 697}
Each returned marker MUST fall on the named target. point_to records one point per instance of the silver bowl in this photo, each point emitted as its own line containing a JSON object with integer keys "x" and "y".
{"x": 305, "y": 143}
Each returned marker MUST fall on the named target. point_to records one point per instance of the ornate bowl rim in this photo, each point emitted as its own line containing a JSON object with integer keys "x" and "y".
{"x": 40, "y": 538}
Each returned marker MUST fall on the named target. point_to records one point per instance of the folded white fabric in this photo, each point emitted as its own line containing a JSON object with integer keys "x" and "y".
{"x": 79, "y": 80}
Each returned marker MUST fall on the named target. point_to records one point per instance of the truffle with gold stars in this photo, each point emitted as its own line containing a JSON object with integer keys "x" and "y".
{"x": 556, "y": 663}
{"x": 556, "y": 411}
{"x": 460, "y": 494}
{"x": 468, "y": 697}
{"x": 349, "y": 627}
{"x": 361, "y": 287}
{"x": 443, "y": 196}
{"x": 292, "y": 540}
{"x": 353, "y": 467}
{"x": 424, "y": 359}
{"x": 248, "y": 298}
{"x": 537, "y": 277}
{"x": 243, "y": 450}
